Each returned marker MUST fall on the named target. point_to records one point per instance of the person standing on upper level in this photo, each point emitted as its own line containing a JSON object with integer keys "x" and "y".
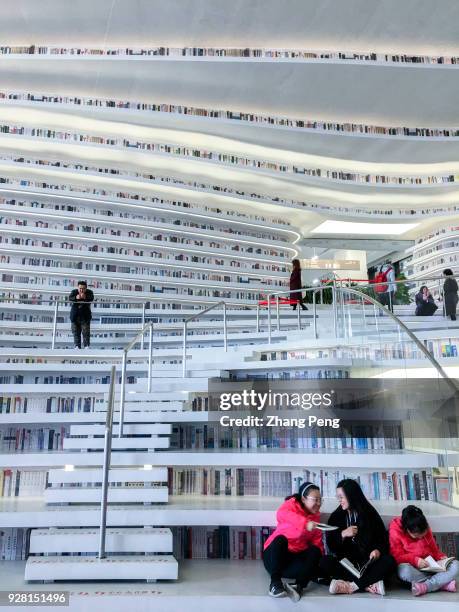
{"x": 296, "y": 284}
{"x": 80, "y": 314}
{"x": 450, "y": 294}
{"x": 385, "y": 285}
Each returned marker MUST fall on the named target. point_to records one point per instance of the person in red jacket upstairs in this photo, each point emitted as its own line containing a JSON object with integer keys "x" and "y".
{"x": 294, "y": 549}
{"x": 411, "y": 541}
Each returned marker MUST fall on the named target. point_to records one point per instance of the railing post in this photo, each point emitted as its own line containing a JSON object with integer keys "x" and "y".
{"x": 106, "y": 464}
{"x": 278, "y": 313}
{"x": 299, "y": 318}
{"x": 56, "y": 310}
{"x": 258, "y": 318}
{"x": 376, "y": 318}
{"x": 122, "y": 392}
{"x": 225, "y": 330}
{"x": 269, "y": 318}
{"x": 363, "y": 311}
{"x": 150, "y": 356}
{"x": 335, "y": 322}
{"x": 314, "y": 313}
{"x": 143, "y": 324}
{"x": 184, "y": 351}
{"x": 440, "y": 295}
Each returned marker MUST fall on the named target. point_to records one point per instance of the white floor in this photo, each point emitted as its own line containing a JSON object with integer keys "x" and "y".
{"x": 217, "y": 585}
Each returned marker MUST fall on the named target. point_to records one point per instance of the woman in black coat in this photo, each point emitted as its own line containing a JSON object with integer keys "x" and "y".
{"x": 295, "y": 283}
{"x": 425, "y": 304}
{"x": 361, "y": 536}
{"x": 450, "y": 294}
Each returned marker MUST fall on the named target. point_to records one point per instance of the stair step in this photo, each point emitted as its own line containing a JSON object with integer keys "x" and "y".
{"x": 155, "y": 396}
{"x": 118, "y": 540}
{"x": 155, "y": 474}
{"x": 93, "y": 495}
{"x": 116, "y": 567}
{"x": 150, "y": 407}
{"x": 117, "y": 443}
{"x": 145, "y": 429}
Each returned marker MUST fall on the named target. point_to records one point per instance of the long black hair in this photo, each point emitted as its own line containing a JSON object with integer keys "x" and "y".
{"x": 356, "y": 497}
{"x": 413, "y": 520}
{"x": 304, "y": 489}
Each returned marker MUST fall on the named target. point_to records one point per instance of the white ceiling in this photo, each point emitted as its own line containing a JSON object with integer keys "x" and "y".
{"x": 407, "y": 26}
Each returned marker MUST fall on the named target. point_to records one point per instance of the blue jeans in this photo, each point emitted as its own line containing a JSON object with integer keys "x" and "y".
{"x": 408, "y": 573}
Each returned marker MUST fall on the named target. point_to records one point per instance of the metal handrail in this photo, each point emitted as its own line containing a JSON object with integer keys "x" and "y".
{"x": 106, "y": 464}
{"x": 148, "y": 326}
{"x": 450, "y": 381}
{"x": 196, "y": 316}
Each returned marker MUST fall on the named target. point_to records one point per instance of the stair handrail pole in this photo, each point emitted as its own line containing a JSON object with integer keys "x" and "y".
{"x": 150, "y": 355}
{"x": 144, "y": 306}
{"x": 106, "y": 464}
{"x": 314, "y": 313}
{"x": 269, "y": 318}
{"x": 299, "y": 318}
{"x": 184, "y": 371}
{"x": 225, "y": 328}
{"x": 258, "y": 317}
{"x": 56, "y": 310}
{"x": 278, "y": 313}
{"x": 122, "y": 392}
{"x": 335, "y": 322}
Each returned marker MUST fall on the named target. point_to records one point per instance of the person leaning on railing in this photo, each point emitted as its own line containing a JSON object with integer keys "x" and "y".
{"x": 80, "y": 314}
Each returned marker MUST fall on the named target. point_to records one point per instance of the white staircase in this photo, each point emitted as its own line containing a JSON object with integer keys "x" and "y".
{"x": 136, "y": 553}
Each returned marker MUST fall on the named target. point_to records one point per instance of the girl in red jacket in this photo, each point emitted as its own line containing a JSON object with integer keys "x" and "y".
{"x": 294, "y": 549}
{"x": 411, "y": 541}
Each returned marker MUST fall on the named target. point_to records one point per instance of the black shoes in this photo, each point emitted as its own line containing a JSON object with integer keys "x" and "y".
{"x": 276, "y": 589}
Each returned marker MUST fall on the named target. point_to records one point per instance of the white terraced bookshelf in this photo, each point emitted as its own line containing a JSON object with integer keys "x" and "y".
{"x": 179, "y": 168}
{"x": 176, "y": 466}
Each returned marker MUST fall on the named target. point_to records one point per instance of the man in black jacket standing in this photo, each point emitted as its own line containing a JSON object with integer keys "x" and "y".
{"x": 80, "y": 314}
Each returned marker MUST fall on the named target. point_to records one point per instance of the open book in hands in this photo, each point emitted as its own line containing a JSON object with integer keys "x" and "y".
{"x": 356, "y": 570}
{"x": 437, "y": 566}
{"x": 320, "y": 526}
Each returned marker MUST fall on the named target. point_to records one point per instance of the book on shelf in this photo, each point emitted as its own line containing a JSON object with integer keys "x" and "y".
{"x": 378, "y": 485}
{"x": 442, "y": 565}
{"x": 22, "y": 483}
{"x": 14, "y": 544}
{"x": 220, "y": 542}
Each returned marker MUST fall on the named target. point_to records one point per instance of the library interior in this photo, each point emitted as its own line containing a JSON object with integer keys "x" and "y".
{"x": 229, "y": 244}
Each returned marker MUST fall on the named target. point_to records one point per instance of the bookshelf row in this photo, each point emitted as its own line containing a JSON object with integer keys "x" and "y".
{"x": 378, "y": 437}
{"x": 142, "y": 272}
{"x": 222, "y": 542}
{"x": 382, "y": 351}
{"x": 363, "y": 212}
{"x": 109, "y": 213}
{"x": 226, "y": 158}
{"x": 229, "y": 115}
{"x": 215, "y": 436}
{"x": 228, "y": 52}
{"x": 400, "y": 485}
{"x": 239, "y": 543}
{"x": 431, "y": 484}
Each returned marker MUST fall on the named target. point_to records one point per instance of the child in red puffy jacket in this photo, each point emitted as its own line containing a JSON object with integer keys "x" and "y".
{"x": 294, "y": 549}
{"x": 411, "y": 541}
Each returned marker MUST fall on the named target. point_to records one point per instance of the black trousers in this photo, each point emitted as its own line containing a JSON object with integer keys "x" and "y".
{"x": 330, "y": 567}
{"x": 281, "y": 563}
{"x": 81, "y": 328}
